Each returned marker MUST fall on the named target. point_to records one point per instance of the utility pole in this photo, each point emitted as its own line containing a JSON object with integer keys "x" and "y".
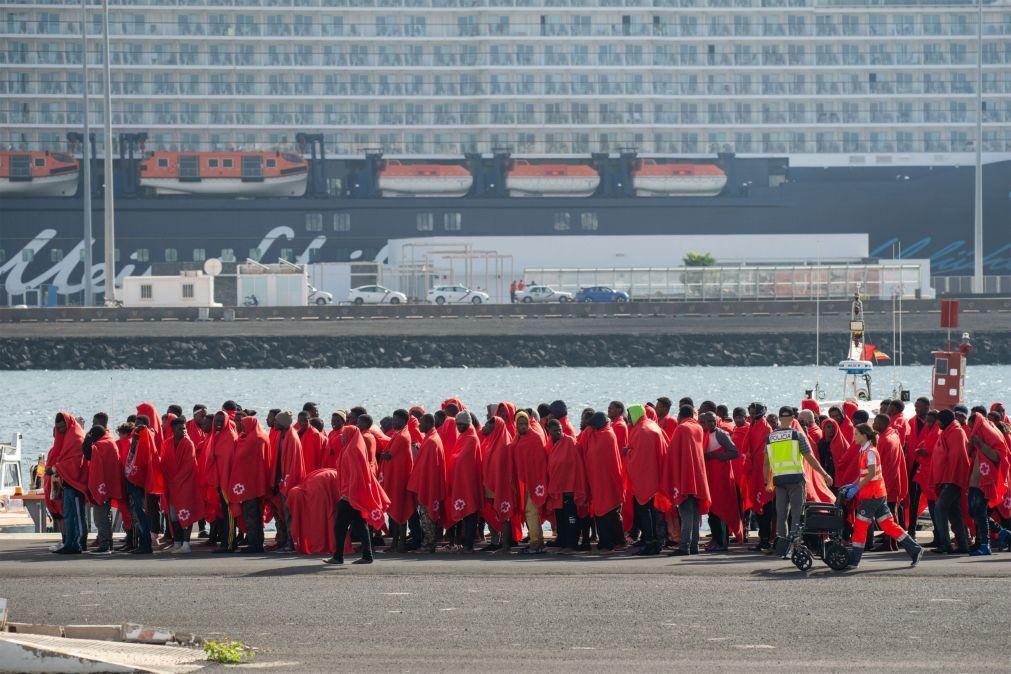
{"x": 89, "y": 290}
{"x": 977, "y": 250}
{"x": 110, "y": 220}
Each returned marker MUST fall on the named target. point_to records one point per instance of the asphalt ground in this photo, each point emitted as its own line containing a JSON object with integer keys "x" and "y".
{"x": 731, "y": 612}
{"x": 464, "y": 326}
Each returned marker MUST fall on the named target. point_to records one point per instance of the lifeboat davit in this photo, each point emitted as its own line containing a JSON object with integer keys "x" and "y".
{"x": 651, "y": 179}
{"x": 246, "y": 174}
{"x": 38, "y": 174}
{"x": 423, "y": 180}
{"x": 524, "y": 179}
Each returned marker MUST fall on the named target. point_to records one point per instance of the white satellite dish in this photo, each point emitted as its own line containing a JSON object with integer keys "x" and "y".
{"x": 212, "y": 267}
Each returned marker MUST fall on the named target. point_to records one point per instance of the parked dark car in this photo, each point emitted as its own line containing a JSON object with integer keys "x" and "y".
{"x": 601, "y": 294}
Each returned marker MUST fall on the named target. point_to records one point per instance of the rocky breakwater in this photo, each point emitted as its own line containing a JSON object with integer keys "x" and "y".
{"x": 623, "y": 350}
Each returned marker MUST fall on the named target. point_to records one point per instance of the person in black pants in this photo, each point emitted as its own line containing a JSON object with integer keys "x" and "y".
{"x": 468, "y": 531}
{"x": 348, "y": 517}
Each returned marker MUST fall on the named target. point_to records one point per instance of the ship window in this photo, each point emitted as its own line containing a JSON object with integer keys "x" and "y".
{"x": 425, "y": 222}
{"x": 117, "y": 256}
{"x": 314, "y": 222}
{"x": 145, "y": 292}
{"x": 55, "y": 255}
{"x": 163, "y": 163}
{"x": 142, "y": 255}
{"x": 171, "y": 255}
{"x": 40, "y": 161}
{"x": 563, "y": 221}
{"x": 3, "y": 255}
{"x": 212, "y": 163}
{"x": 199, "y": 254}
{"x": 271, "y": 163}
{"x": 286, "y": 254}
{"x": 27, "y": 255}
{"x": 588, "y": 222}
{"x": 451, "y": 222}
{"x": 342, "y": 222}
{"x": 228, "y": 255}
{"x": 226, "y": 163}
{"x": 187, "y": 291}
{"x": 255, "y": 254}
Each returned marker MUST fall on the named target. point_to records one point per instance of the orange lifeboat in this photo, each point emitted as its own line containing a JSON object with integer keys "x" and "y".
{"x": 38, "y": 174}
{"x": 423, "y": 180}
{"x": 524, "y": 179}
{"x": 651, "y": 179}
{"x": 246, "y": 174}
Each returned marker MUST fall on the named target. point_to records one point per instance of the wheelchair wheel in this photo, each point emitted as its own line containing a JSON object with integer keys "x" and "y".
{"x": 802, "y": 559}
{"x": 836, "y": 556}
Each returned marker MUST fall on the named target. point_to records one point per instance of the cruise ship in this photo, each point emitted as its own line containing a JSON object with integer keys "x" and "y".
{"x": 323, "y": 130}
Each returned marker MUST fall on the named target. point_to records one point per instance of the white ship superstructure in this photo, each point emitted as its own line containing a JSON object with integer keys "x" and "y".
{"x": 825, "y": 83}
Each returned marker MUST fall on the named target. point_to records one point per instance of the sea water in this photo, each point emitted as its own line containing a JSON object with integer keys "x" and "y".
{"x": 31, "y": 399}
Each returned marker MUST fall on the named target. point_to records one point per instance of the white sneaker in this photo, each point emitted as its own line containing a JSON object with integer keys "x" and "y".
{"x": 183, "y": 549}
{"x": 175, "y": 546}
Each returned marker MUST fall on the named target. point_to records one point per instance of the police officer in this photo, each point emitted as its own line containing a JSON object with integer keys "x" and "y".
{"x": 786, "y": 450}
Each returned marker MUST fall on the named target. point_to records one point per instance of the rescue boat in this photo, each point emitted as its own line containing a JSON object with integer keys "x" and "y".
{"x": 423, "y": 180}
{"x": 38, "y": 174}
{"x": 249, "y": 174}
{"x": 524, "y": 179}
{"x": 651, "y": 179}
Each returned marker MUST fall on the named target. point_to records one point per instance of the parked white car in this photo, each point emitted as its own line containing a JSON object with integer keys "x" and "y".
{"x": 319, "y": 297}
{"x": 542, "y": 294}
{"x": 456, "y": 295}
{"x": 376, "y": 295}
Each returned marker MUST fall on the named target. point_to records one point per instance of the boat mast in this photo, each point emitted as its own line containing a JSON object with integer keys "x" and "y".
{"x": 110, "y": 222}
{"x": 977, "y": 252}
{"x": 89, "y": 290}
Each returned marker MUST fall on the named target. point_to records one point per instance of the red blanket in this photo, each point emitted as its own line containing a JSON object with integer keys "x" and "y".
{"x": 531, "y": 457}
{"x": 313, "y": 449}
{"x": 893, "y": 465}
{"x": 358, "y": 484}
{"x": 758, "y": 434}
{"x": 723, "y": 490}
{"x": 105, "y": 473}
{"x": 67, "y": 457}
{"x": 250, "y": 468}
{"x": 313, "y": 506}
{"x": 142, "y": 467}
{"x": 684, "y": 473}
{"x": 567, "y": 474}
{"x": 428, "y": 481}
{"x": 950, "y": 459}
{"x": 466, "y": 493}
{"x": 182, "y": 488}
{"x": 500, "y": 472}
{"x": 647, "y": 448}
{"x": 993, "y": 475}
{"x": 288, "y": 447}
{"x": 603, "y": 470}
{"x": 393, "y": 474}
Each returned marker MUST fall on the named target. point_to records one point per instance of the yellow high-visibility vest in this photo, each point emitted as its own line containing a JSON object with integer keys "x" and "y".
{"x": 784, "y": 454}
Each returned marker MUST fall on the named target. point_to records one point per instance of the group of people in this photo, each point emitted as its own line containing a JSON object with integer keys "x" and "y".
{"x": 639, "y": 476}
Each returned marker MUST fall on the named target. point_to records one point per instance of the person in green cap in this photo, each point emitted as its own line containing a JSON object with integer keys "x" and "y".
{"x": 646, "y": 449}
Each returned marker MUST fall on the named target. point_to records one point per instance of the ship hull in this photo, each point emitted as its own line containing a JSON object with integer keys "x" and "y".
{"x": 927, "y": 212}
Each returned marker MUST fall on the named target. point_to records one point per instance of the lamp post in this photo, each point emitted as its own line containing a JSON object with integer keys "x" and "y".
{"x": 110, "y": 220}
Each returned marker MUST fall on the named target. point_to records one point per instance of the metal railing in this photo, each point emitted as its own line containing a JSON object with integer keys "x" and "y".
{"x": 773, "y": 282}
{"x": 962, "y": 285}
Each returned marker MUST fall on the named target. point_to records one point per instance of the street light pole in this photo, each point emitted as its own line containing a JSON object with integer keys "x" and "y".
{"x": 110, "y": 221}
{"x": 977, "y": 251}
{"x": 89, "y": 290}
